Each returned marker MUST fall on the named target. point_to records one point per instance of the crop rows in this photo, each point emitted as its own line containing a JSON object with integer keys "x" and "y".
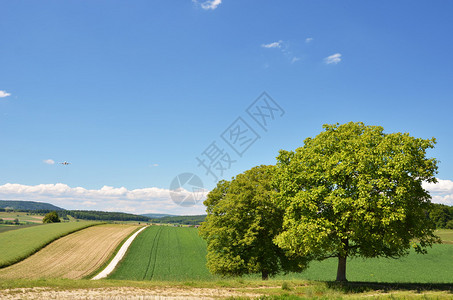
{"x": 17, "y": 245}
{"x": 165, "y": 253}
{"x": 177, "y": 254}
{"x": 73, "y": 256}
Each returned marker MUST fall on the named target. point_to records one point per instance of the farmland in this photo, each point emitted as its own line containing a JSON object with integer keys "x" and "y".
{"x": 165, "y": 253}
{"x": 7, "y": 227}
{"x": 434, "y": 267}
{"x": 73, "y": 256}
{"x": 15, "y": 245}
{"x": 171, "y": 261}
{"x": 169, "y": 253}
{"x": 23, "y": 219}
{"x": 446, "y": 235}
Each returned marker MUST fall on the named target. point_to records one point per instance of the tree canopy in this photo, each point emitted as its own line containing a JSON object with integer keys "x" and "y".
{"x": 442, "y": 216}
{"x": 240, "y": 226}
{"x": 354, "y": 190}
{"x": 51, "y": 217}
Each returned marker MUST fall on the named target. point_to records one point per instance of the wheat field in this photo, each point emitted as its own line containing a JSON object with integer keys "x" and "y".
{"x": 74, "y": 256}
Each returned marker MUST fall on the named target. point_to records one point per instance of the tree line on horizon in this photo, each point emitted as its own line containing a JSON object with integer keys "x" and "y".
{"x": 440, "y": 214}
{"x": 109, "y": 216}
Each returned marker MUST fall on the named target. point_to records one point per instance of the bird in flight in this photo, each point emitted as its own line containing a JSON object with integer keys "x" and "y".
{"x": 65, "y": 163}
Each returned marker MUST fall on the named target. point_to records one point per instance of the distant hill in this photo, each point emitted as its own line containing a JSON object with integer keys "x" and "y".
{"x": 157, "y": 216}
{"x": 27, "y": 205}
{"x": 43, "y": 208}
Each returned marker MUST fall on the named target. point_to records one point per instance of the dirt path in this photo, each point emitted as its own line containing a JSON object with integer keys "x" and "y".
{"x": 160, "y": 293}
{"x": 118, "y": 257}
{"x": 73, "y": 256}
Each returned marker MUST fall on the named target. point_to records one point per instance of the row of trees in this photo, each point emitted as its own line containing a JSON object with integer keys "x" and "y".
{"x": 89, "y": 215}
{"x": 184, "y": 220}
{"x": 9, "y": 222}
{"x": 442, "y": 216}
{"x": 92, "y": 215}
{"x": 353, "y": 190}
{"x": 101, "y": 215}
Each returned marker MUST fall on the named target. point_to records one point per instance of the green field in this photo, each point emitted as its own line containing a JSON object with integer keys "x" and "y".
{"x": 169, "y": 260}
{"x": 6, "y": 227}
{"x": 165, "y": 253}
{"x": 172, "y": 253}
{"x": 446, "y": 235}
{"x": 434, "y": 267}
{"x": 15, "y": 245}
{"x": 25, "y": 220}
{"x": 22, "y": 217}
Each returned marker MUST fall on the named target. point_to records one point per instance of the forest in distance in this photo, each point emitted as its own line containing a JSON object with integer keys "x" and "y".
{"x": 441, "y": 214}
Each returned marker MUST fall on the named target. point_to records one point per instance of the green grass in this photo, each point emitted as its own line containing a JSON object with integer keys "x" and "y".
{"x": 23, "y": 217}
{"x": 434, "y": 267}
{"x": 17, "y": 245}
{"x": 175, "y": 257}
{"x": 446, "y": 235}
{"x": 172, "y": 254}
{"x": 5, "y": 227}
{"x": 165, "y": 253}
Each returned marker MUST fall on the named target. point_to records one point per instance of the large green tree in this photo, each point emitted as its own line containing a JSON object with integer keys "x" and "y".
{"x": 354, "y": 190}
{"x": 242, "y": 221}
{"x": 51, "y": 217}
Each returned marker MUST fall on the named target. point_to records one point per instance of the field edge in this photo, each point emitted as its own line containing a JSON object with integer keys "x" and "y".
{"x": 244, "y": 288}
{"x": 107, "y": 262}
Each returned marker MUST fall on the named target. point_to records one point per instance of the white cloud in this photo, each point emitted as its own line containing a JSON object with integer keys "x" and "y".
{"x": 145, "y": 200}
{"x": 154, "y": 165}
{"x": 272, "y": 45}
{"x": 284, "y": 48}
{"x": 49, "y": 161}
{"x": 208, "y": 4}
{"x": 4, "y": 94}
{"x": 308, "y": 40}
{"x": 441, "y": 192}
{"x": 442, "y": 186}
{"x": 333, "y": 59}
{"x": 88, "y": 203}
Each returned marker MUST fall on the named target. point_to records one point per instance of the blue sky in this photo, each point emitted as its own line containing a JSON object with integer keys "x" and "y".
{"x": 131, "y": 93}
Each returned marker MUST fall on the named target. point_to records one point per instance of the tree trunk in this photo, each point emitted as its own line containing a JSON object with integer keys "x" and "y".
{"x": 341, "y": 271}
{"x": 264, "y": 275}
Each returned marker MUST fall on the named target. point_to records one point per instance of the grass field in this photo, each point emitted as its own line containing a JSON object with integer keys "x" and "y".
{"x": 25, "y": 220}
{"x": 434, "y": 267}
{"x": 73, "y": 256}
{"x": 446, "y": 235}
{"x": 16, "y": 245}
{"x": 171, "y": 260}
{"x": 6, "y": 227}
{"x": 169, "y": 253}
{"x": 23, "y": 217}
{"x": 165, "y": 253}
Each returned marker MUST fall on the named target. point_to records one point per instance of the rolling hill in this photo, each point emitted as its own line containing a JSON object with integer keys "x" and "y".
{"x": 27, "y": 205}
